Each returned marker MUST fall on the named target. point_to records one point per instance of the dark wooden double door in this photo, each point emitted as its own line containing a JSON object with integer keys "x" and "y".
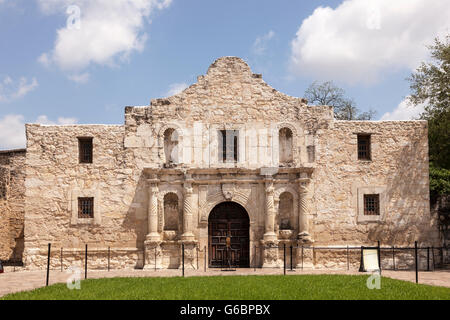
{"x": 229, "y": 220}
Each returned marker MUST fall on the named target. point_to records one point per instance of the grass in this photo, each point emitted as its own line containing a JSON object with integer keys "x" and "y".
{"x": 294, "y": 287}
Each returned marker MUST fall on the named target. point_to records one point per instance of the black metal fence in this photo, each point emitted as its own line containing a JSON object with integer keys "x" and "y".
{"x": 288, "y": 258}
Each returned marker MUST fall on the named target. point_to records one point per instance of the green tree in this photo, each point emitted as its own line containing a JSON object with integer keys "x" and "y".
{"x": 328, "y": 94}
{"x": 430, "y": 86}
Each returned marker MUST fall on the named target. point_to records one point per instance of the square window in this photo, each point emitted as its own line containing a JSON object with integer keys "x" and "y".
{"x": 85, "y": 208}
{"x": 371, "y": 204}
{"x": 364, "y": 147}
{"x": 85, "y": 150}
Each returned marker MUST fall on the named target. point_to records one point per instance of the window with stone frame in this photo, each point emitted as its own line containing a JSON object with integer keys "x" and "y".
{"x": 85, "y": 149}
{"x": 372, "y": 204}
{"x": 85, "y": 208}
{"x": 228, "y": 145}
{"x": 364, "y": 147}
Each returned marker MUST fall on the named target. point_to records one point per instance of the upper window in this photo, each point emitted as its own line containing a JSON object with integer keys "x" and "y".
{"x": 85, "y": 207}
{"x": 228, "y": 145}
{"x": 371, "y": 204}
{"x": 285, "y": 145}
{"x": 85, "y": 150}
{"x": 364, "y": 147}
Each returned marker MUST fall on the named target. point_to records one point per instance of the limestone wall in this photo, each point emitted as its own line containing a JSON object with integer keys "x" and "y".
{"x": 228, "y": 97}
{"x": 399, "y": 170}
{"x": 55, "y": 179}
{"x": 12, "y": 198}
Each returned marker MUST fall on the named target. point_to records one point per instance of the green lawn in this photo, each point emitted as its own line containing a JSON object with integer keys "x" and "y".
{"x": 294, "y": 287}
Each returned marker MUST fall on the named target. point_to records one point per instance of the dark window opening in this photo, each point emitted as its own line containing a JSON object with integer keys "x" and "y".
{"x": 372, "y": 204}
{"x": 228, "y": 145}
{"x": 85, "y": 150}
{"x": 85, "y": 207}
{"x": 364, "y": 147}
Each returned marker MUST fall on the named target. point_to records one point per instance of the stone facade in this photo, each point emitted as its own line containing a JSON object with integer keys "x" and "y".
{"x": 156, "y": 179}
{"x": 12, "y": 199}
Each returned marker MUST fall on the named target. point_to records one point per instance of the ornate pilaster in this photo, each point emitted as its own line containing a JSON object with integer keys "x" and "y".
{"x": 188, "y": 208}
{"x": 270, "y": 242}
{"x": 303, "y": 215}
{"x": 269, "y": 234}
{"x": 153, "y": 234}
{"x": 153, "y": 256}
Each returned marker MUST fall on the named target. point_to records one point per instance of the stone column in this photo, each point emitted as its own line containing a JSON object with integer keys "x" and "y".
{"x": 153, "y": 213}
{"x": 303, "y": 213}
{"x": 269, "y": 234}
{"x": 188, "y": 210}
{"x": 153, "y": 254}
{"x": 270, "y": 242}
{"x": 188, "y": 237}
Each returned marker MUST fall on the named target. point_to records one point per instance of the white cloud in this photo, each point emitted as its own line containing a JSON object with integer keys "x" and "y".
{"x": 12, "y": 128}
{"x": 14, "y": 89}
{"x": 261, "y": 43}
{"x": 176, "y": 88}
{"x": 80, "y": 78}
{"x": 107, "y": 33}
{"x": 404, "y": 111}
{"x": 361, "y": 39}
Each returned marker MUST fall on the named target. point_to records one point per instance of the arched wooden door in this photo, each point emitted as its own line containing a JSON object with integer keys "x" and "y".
{"x": 229, "y": 219}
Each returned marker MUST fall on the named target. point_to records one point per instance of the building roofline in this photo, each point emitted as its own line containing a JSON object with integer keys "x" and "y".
{"x": 13, "y": 151}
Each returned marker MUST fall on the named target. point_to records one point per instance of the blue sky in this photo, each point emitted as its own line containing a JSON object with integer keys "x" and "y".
{"x": 125, "y": 52}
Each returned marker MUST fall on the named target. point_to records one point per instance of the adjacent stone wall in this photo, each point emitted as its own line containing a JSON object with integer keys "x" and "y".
{"x": 55, "y": 179}
{"x": 12, "y": 199}
{"x": 398, "y": 169}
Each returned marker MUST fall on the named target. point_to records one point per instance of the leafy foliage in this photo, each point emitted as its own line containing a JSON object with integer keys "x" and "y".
{"x": 439, "y": 181}
{"x": 430, "y": 85}
{"x": 328, "y": 94}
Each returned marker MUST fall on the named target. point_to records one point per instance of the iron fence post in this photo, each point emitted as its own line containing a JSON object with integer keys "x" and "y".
{"x": 428, "y": 258}
{"x": 85, "y": 262}
{"x": 348, "y": 261}
{"x": 284, "y": 253}
{"x": 48, "y": 264}
{"x": 61, "y": 259}
{"x": 416, "y": 262}
{"x": 205, "y": 259}
{"x": 302, "y": 257}
{"x": 155, "y": 258}
{"x": 393, "y": 256}
{"x": 291, "y": 259}
{"x": 254, "y": 259}
{"x": 379, "y": 255}
{"x": 197, "y": 258}
{"x": 182, "y": 248}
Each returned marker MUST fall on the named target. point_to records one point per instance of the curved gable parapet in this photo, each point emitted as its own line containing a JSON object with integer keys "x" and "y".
{"x": 230, "y": 90}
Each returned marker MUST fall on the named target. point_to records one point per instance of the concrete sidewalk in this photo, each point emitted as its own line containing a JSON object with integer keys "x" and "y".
{"x": 11, "y": 282}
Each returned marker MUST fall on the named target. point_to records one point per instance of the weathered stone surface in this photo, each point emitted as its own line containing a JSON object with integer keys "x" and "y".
{"x": 136, "y": 164}
{"x": 12, "y": 196}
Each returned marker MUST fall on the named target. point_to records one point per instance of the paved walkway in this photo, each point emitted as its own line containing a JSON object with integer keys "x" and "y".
{"x": 28, "y": 280}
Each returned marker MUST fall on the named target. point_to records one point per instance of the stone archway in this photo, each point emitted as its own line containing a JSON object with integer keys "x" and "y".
{"x": 229, "y": 219}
